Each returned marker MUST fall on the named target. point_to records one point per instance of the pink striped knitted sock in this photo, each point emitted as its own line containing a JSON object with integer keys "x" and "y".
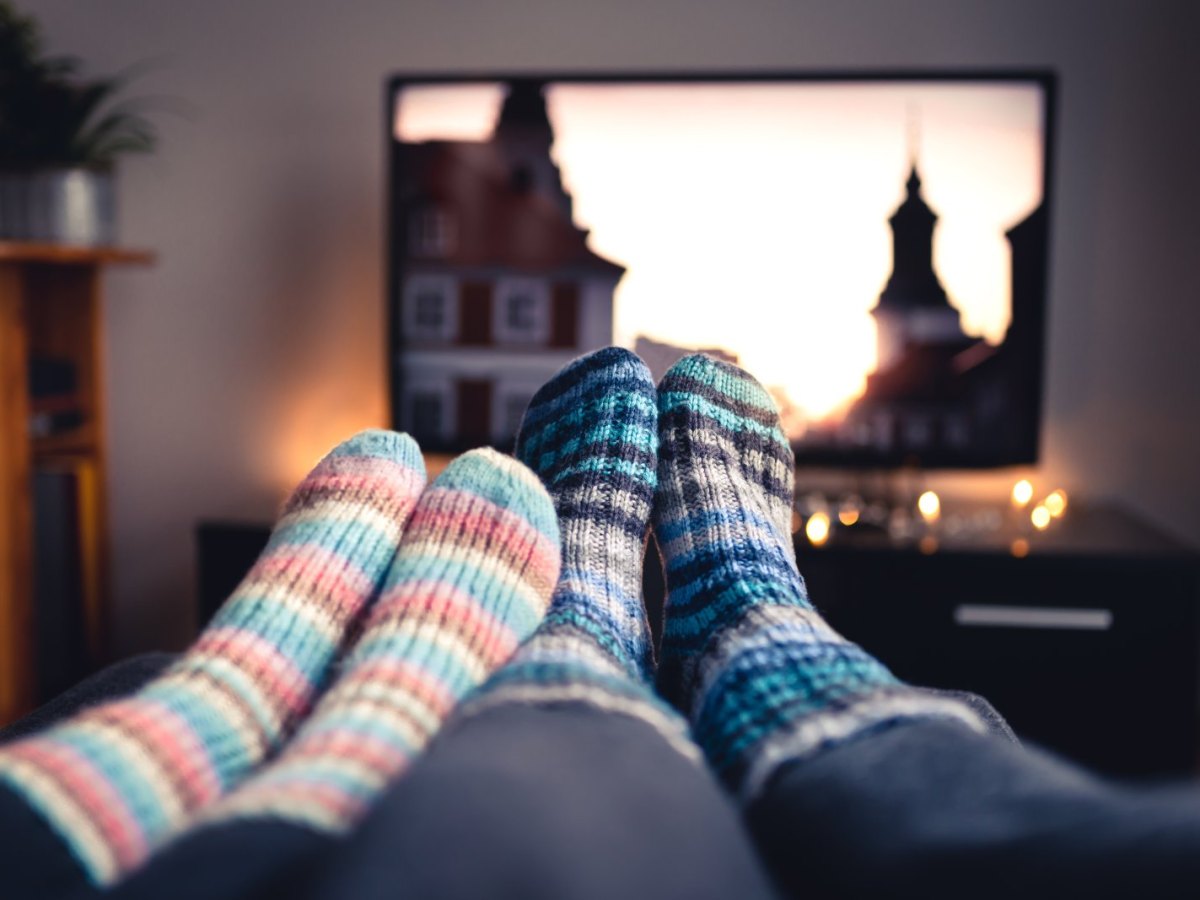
{"x": 119, "y": 779}
{"x": 472, "y": 579}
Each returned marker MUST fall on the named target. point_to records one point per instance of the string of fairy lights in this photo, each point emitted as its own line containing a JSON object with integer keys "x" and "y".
{"x": 925, "y": 522}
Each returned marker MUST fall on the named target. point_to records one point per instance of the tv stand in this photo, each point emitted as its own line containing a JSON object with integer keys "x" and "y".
{"x": 1087, "y": 643}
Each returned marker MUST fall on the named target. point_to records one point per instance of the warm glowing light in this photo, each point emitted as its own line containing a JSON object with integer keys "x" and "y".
{"x": 1040, "y": 517}
{"x": 928, "y": 544}
{"x": 626, "y": 151}
{"x": 848, "y": 516}
{"x": 817, "y": 528}
{"x": 1020, "y": 548}
{"x": 1022, "y": 493}
{"x": 929, "y": 506}
{"x": 1056, "y": 503}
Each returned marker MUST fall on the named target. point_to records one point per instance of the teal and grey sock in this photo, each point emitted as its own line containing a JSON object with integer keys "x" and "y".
{"x": 762, "y": 677}
{"x": 590, "y": 434}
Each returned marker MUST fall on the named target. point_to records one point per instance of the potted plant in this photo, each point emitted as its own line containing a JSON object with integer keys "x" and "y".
{"x": 60, "y": 135}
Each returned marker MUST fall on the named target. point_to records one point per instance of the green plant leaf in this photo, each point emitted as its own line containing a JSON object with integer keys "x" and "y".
{"x": 50, "y": 115}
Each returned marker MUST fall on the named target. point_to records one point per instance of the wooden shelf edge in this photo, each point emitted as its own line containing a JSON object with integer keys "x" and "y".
{"x": 72, "y": 254}
{"x": 77, "y": 442}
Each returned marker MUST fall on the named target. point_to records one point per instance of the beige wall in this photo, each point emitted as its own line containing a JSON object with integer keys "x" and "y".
{"x": 258, "y": 339}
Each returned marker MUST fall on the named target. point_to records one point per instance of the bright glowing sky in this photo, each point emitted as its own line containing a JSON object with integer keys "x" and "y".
{"x": 754, "y": 217}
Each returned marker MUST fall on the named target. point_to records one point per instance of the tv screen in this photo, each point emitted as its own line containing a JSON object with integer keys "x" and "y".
{"x": 872, "y": 247}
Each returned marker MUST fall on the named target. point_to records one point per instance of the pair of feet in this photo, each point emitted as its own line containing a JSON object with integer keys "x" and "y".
{"x": 759, "y": 676}
{"x": 425, "y": 592}
{"x": 702, "y": 459}
{"x": 420, "y": 592}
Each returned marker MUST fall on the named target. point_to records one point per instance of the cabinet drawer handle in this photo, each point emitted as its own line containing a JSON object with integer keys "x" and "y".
{"x": 979, "y": 616}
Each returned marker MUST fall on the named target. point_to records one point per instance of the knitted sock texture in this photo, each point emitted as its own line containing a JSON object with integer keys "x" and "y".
{"x": 117, "y": 780}
{"x": 472, "y": 579}
{"x": 761, "y": 675}
{"x": 590, "y": 434}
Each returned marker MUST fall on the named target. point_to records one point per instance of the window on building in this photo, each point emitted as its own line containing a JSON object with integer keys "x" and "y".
{"x": 957, "y": 431}
{"x": 431, "y": 232}
{"x": 522, "y": 178}
{"x": 917, "y": 433}
{"x": 430, "y": 307}
{"x": 519, "y": 315}
{"x": 883, "y": 431}
{"x": 427, "y": 415}
{"x": 430, "y": 312}
{"x": 523, "y": 311}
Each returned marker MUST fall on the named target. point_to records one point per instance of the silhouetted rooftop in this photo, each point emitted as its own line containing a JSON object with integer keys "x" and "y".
{"x": 497, "y": 220}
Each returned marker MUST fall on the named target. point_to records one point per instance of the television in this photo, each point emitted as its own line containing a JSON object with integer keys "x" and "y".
{"x": 872, "y": 246}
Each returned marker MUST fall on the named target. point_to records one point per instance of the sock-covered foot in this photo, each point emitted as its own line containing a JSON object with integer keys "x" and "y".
{"x": 119, "y": 779}
{"x": 472, "y": 579}
{"x": 761, "y": 675}
{"x": 590, "y": 434}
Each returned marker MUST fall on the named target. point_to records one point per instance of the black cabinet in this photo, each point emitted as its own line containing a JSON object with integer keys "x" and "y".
{"x": 1087, "y": 644}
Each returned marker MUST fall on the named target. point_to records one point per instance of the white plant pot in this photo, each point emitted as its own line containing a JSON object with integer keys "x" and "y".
{"x": 61, "y": 205}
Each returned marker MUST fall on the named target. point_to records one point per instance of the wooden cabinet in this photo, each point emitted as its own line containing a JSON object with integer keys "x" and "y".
{"x": 50, "y": 308}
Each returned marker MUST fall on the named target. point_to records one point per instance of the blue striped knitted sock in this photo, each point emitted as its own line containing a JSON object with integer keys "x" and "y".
{"x": 590, "y": 434}
{"x": 762, "y": 676}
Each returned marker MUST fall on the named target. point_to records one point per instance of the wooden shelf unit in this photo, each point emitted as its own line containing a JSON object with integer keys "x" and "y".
{"x": 51, "y": 307}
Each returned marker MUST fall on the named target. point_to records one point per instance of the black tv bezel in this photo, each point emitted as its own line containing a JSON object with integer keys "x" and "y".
{"x": 1045, "y": 78}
